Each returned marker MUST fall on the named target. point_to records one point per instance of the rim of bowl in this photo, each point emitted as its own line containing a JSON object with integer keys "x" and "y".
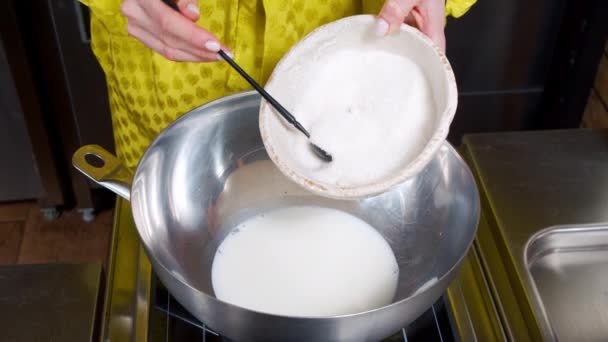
{"x": 414, "y": 167}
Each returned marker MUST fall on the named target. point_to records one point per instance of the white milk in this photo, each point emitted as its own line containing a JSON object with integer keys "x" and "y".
{"x": 305, "y": 261}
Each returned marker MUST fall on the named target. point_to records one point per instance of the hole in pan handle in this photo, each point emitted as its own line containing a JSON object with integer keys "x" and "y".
{"x": 104, "y": 168}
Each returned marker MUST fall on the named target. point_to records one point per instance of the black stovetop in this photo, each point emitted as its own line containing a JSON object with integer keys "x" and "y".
{"x": 169, "y": 321}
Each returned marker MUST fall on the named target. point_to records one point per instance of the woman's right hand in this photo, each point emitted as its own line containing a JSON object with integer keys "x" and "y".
{"x": 172, "y": 34}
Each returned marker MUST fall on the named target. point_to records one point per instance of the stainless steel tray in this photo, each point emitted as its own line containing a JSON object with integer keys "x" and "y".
{"x": 569, "y": 271}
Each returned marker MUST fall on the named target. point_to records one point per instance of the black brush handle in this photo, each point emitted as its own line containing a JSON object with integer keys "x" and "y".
{"x": 171, "y": 4}
{"x": 284, "y": 112}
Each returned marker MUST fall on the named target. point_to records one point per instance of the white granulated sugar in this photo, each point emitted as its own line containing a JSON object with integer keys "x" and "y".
{"x": 371, "y": 109}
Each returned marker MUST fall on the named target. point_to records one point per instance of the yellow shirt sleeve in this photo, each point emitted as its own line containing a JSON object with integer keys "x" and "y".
{"x": 454, "y": 8}
{"x": 457, "y": 8}
{"x": 104, "y": 7}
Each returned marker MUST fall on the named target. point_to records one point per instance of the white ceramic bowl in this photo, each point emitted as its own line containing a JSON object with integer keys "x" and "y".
{"x": 357, "y": 32}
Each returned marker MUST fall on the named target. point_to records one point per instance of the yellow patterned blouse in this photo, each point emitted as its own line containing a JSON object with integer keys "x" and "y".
{"x": 147, "y": 92}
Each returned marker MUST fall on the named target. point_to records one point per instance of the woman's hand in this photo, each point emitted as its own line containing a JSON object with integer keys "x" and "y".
{"x": 173, "y": 35}
{"x": 427, "y": 15}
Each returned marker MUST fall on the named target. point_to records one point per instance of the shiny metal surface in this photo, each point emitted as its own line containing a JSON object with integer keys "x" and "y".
{"x": 530, "y": 181}
{"x": 208, "y": 171}
{"x": 473, "y": 313}
{"x": 50, "y": 302}
{"x": 129, "y": 281}
{"x": 105, "y": 169}
{"x": 127, "y": 290}
{"x": 569, "y": 269}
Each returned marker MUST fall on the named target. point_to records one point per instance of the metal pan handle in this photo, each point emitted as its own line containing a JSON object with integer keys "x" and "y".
{"x": 104, "y": 168}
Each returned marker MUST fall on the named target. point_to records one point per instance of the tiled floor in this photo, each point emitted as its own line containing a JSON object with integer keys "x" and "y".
{"x": 25, "y": 237}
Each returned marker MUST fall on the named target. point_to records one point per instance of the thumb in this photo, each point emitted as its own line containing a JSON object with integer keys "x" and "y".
{"x": 189, "y": 8}
{"x": 392, "y": 15}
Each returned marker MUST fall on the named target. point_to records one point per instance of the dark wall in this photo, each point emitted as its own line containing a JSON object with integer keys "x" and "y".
{"x": 501, "y": 52}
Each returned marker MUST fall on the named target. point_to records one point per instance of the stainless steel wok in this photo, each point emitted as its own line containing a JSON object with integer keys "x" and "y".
{"x": 208, "y": 171}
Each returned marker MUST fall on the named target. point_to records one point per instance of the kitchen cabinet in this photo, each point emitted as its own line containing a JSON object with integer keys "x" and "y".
{"x": 19, "y": 177}
{"x": 29, "y": 159}
{"x": 59, "y": 97}
{"x": 81, "y": 105}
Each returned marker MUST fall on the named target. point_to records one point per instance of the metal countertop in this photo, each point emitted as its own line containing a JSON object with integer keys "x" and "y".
{"x": 530, "y": 181}
{"x": 49, "y": 302}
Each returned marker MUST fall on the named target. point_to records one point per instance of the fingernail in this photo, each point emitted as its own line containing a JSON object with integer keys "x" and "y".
{"x": 212, "y": 46}
{"x": 381, "y": 27}
{"x": 193, "y": 9}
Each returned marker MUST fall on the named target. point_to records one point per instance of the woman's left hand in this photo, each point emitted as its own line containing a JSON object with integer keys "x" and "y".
{"x": 427, "y": 15}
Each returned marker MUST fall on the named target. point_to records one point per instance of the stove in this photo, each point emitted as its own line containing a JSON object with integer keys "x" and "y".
{"x": 169, "y": 321}
{"x": 489, "y": 298}
{"x": 137, "y": 307}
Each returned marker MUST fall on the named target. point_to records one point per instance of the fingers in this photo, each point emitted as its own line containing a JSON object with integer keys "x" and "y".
{"x": 189, "y": 8}
{"x": 170, "y": 33}
{"x": 392, "y": 15}
{"x": 173, "y": 54}
{"x": 411, "y": 20}
{"x": 430, "y": 19}
{"x": 177, "y": 30}
{"x": 426, "y": 15}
